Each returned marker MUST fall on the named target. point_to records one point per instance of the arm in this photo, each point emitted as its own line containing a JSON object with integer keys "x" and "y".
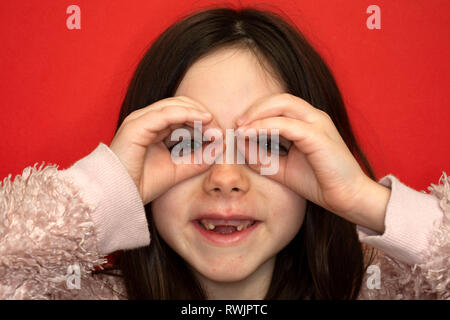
{"x": 120, "y": 216}
{"x": 371, "y": 211}
{"x": 414, "y": 247}
{"x": 51, "y": 220}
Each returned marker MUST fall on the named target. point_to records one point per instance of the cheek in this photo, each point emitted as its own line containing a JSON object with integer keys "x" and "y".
{"x": 159, "y": 206}
{"x": 168, "y": 212}
{"x": 288, "y": 210}
{"x": 283, "y": 212}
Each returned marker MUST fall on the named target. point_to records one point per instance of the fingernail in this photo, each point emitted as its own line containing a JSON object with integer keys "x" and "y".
{"x": 206, "y": 114}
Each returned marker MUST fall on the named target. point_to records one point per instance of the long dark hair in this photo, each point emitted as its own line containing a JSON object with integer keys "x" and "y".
{"x": 325, "y": 260}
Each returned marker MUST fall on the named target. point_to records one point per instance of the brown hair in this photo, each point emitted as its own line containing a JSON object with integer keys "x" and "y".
{"x": 325, "y": 260}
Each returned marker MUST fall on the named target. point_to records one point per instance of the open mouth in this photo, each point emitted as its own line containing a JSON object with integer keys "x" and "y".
{"x": 226, "y": 232}
{"x": 225, "y": 226}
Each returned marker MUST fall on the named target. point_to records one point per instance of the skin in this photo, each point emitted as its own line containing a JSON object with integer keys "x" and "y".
{"x": 227, "y": 82}
{"x": 240, "y": 94}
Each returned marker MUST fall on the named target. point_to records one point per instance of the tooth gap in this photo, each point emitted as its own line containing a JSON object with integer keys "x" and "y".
{"x": 207, "y": 227}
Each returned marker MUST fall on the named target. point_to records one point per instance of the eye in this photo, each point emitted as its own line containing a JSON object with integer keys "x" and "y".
{"x": 191, "y": 145}
{"x": 281, "y": 148}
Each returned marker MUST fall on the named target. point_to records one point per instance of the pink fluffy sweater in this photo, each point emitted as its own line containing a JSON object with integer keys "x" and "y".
{"x": 53, "y": 219}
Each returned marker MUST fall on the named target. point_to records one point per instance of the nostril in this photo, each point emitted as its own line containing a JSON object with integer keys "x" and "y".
{"x": 235, "y": 189}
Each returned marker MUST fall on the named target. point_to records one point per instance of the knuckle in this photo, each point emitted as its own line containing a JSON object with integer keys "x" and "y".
{"x": 128, "y": 119}
{"x": 170, "y": 109}
{"x": 126, "y": 127}
{"x": 184, "y": 98}
{"x": 191, "y": 103}
{"x": 325, "y": 120}
{"x": 130, "y": 123}
{"x": 178, "y": 108}
{"x": 324, "y": 115}
{"x": 131, "y": 115}
{"x": 287, "y": 97}
{"x": 328, "y": 118}
{"x": 171, "y": 99}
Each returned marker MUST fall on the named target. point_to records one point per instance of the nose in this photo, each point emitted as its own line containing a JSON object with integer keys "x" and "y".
{"x": 227, "y": 180}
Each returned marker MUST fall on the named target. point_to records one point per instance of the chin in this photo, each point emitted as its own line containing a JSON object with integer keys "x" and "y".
{"x": 226, "y": 276}
{"x": 225, "y": 273}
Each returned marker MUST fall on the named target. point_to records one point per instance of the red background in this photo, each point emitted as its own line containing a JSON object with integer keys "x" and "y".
{"x": 61, "y": 89}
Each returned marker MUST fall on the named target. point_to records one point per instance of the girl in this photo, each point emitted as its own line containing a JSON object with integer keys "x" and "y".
{"x": 321, "y": 227}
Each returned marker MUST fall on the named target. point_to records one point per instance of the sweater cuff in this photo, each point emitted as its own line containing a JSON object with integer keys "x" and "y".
{"x": 411, "y": 218}
{"x": 119, "y": 217}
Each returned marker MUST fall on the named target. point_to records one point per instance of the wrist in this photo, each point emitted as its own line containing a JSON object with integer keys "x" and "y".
{"x": 370, "y": 210}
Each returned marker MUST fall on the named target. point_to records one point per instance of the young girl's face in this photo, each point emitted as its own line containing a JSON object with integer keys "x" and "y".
{"x": 226, "y": 83}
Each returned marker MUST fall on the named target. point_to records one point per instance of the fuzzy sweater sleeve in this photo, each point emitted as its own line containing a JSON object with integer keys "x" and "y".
{"x": 413, "y": 254}
{"x": 58, "y": 224}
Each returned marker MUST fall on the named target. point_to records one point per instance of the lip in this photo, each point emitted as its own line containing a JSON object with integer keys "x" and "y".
{"x": 225, "y": 216}
{"x": 225, "y": 239}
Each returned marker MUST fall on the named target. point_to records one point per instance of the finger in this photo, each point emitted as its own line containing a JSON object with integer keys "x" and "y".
{"x": 192, "y": 102}
{"x": 171, "y": 115}
{"x": 304, "y": 135}
{"x": 158, "y": 105}
{"x": 281, "y": 105}
{"x": 149, "y": 124}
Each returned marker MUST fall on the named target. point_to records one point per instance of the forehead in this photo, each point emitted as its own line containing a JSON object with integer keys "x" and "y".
{"x": 226, "y": 83}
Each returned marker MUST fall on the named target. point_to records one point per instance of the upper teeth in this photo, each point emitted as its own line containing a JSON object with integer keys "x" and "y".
{"x": 211, "y": 224}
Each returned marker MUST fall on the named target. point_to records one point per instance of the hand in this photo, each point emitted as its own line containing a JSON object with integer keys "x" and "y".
{"x": 319, "y": 166}
{"x": 139, "y": 144}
